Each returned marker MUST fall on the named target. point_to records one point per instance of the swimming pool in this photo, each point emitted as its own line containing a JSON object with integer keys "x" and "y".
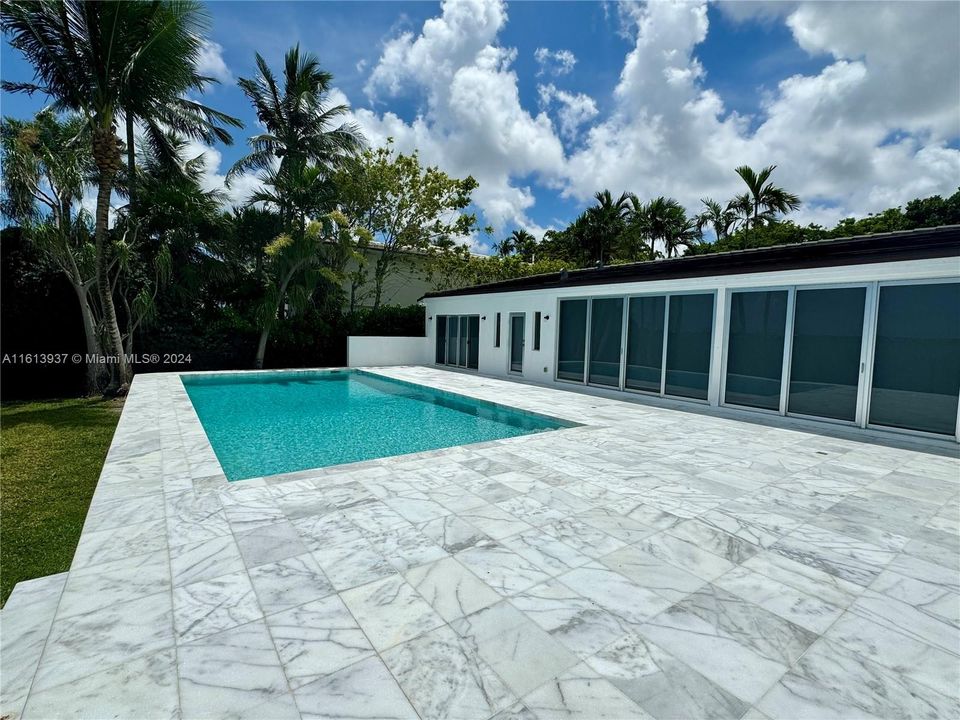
{"x": 278, "y": 422}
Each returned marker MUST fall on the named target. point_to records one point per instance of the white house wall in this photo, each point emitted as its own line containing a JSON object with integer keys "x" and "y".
{"x": 540, "y": 365}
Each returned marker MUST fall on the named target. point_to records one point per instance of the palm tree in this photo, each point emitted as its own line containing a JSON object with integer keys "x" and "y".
{"x": 665, "y": 220}
{"x": 524, "y": 244}
{"x": 505, "y": 247}
{"x": 85, "y": 56}
{"x": 301, "y": 127}
{"x": 46, "y": 164}
{"x": 605, "y": 221}
{"x": 720, "y": 218}
{"x": 766, "y": 199}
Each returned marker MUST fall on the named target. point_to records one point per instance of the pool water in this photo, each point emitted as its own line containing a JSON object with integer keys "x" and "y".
{"x": 277, "y": 422}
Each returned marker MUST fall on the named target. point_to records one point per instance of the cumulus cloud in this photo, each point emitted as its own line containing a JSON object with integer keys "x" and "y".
{"x": 212, "y": 64}
{"x": 829, "y": 133}
{"x": 473, "y": 122}
{"x": 575, "y": 109}
{"x": 554, "y": 62}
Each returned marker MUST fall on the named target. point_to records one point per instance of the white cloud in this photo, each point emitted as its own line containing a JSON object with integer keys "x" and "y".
{"x": 473, "y": 122}
{"x": 670, "y": 134}
{"x": 554, "y": 62}
{"x": 212, "y": 64}
{"x": 575, "y": 109}
{"x": 241, "y": 188}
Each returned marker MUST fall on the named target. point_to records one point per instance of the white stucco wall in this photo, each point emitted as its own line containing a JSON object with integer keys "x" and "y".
{"x": 377, "y": 351}
{"x": 539, "y": 366}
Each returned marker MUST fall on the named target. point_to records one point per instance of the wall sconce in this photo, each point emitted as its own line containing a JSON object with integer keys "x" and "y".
{"x": 430, "y": 318}
{"x": 483, "y": 317}
{"x": 546, "y": 317}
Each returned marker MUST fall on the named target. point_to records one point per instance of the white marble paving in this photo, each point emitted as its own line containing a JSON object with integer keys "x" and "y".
{"x": 649, "y": 563}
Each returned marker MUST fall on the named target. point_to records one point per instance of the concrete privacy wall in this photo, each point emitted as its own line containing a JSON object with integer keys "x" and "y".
{"x": 377, "y": 351}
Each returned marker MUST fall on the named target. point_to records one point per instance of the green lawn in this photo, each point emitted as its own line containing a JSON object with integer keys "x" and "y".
{"x": 50, "y": 458}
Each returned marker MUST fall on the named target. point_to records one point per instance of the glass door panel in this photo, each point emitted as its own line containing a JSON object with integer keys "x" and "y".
{"x": 606, "y": 325}
{"x": 689, "y": 331}
{"x": 473, "y": 342}
{"x": 827, "y": 340}
{"x": 441, "y": 356}
{"x": 571, "y": 348}
{"x": 645, "y": 343}
{"x": 453, "y": 334}
{"x": 463, "y": 341}
{"x": 916, "y": 365}
{"x": 516, "y": 343}
{"x": 758, "y": 323}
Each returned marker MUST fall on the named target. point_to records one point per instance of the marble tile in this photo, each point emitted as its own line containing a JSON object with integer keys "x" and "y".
{"x": 269, "y": 543}
{"x": 494, "y": 521}
{"x": 124, "y": 511}
{"x": 453, "y": 534}
{"x": 662, "y": 685}
{"x": 501, "y": 568}
{"x": 685, "y": 554}
{"x": 918, "y": 661}
{"x": 668, "y": 581}
{"x": 194, "y": 517}
{"x": 444, "y": 677}
{"x": 833, "y": 682}
{"x": 390, "y": 611}
{"x": 317, "y": 639}
{"x": 853, "y": 560}
{"x": 288, "y": 583}
{"x": 627, "y": 601}
{"x": 210, "y": 606}
{"x": 92, "y": 587}
{"x": 707, "y": 537}
{"x": 545, "y": 551}
{"x": 142, "y": 687}
{"x": 613, "y": 523}
{"x": 581, "y": 694}
{"x": 417, "y": 510}
{"x": 364, "y": 691}
{"x": 908, "y": 619}
{"x": 251, "y": 508}
{"x": 583, "y": 538}
{"x": 518, "y": 650}
{"x": 804, "y": 578}
{"x": 234, "y": 673}
{"x": 205, "y": 560}
{"x": 739, "y": 646}
{"x": 451, "y": 589}
{"x": 407, "y": 547}
{"x": 579, "y": 624}
{"x": 119, "y": 543}
{"x": 530, "y": 510}
{"x": 807, "y": 611}
{"x": 82, "y": 645}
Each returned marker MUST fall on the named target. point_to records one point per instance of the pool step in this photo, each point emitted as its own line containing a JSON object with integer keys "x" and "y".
{"x": 25, "y": 623}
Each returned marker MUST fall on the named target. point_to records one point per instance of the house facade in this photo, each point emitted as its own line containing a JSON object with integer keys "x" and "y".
{"x": 863, "y": 332}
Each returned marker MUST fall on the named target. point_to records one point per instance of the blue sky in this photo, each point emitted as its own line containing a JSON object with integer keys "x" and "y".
{"x": 660, "y": 99}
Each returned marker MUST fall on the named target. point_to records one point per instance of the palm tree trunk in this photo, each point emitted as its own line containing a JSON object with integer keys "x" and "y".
{"x": 94, "y": 366}
{"x": 107, "y": 157}
{"x": 131, "y": 166}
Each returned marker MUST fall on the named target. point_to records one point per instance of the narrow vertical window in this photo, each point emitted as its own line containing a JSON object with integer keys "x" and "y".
{"x": 536, "y": 331}
{"x": 496, "y": 333}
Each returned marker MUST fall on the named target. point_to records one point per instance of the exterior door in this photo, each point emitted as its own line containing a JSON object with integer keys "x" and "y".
{"x": 516, "y": 342}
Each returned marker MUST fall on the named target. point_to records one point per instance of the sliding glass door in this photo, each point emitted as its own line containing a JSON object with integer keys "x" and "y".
{"x": 827, "y": 348}
{"x": 571, "y": 347}
{"x": 916, "y": 364}
{"x": 458, "y": 341}
{"x": 758, "y": 323}
{"x": 689, "y": 333}
{"x": 606, "y": 328}
{"x": 645, "y": 343}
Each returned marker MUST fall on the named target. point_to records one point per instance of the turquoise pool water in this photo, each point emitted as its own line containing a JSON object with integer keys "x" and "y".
{"x": 277, "y": 422}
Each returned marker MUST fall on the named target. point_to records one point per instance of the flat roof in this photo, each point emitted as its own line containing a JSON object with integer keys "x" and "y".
{"x": 920, "y": 244}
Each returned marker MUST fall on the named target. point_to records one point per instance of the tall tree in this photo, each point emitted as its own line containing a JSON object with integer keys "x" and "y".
{"x": 404, "y": 207}
{"x": 720, "y": 218}
{"x": 46, "y": 163}
{"x": 506, "y": 247}
{"x": 301, "y": 127}
{"x": 766, "y": 199}
{"x": 665, "y": 221}
{"x": 524, "y": 244}
{"x": 84, "y": 55}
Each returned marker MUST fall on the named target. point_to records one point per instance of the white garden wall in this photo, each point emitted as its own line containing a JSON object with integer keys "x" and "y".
{"x": 378, "y": 351}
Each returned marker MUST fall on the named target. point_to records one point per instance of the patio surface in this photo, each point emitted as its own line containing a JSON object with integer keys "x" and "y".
{"x": 652, "y": 563}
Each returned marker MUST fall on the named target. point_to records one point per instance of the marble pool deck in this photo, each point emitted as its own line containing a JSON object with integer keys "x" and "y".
{"x": 651, "y": 563}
